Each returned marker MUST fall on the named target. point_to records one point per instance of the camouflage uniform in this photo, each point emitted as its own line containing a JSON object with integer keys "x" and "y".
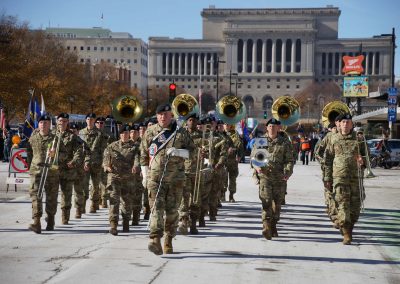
{"x": 271, "y": 183}
{"x": 341, "y": 169}
{"x": 69, "y": 152}
{"x": 286, "y": 137}
{"x": 103, "y": 175}
{"x": 224, "y": 169}
{"x": 80, "y": 201}
{"x": 94, "y": 139}
{"x": 121, "y": 157}
{"x": 139, "y": 190}
{"x": 331, "y": 206}
{"x": 232, "y": 163}
{"x": 37, "y": 148}
{"x": 168, "y": 198}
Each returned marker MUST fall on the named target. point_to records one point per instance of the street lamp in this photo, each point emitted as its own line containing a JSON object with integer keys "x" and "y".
{"x": 230, "y": 80}
{"x": 71, "y": 101}
{"x": 218, "y": 62}
{"x": 92, "y": 104}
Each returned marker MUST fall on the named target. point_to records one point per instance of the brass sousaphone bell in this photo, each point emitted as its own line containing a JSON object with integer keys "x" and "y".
{"x": 286, "y": 109}
{"x": 332, "y": 110}
{"x": 184, "y": 105}
{"x": 126, "y": 109}
{"x": 230, "y": 109}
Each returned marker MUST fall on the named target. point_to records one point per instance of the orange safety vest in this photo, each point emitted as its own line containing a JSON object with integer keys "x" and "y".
{"x": 305, "y": 145}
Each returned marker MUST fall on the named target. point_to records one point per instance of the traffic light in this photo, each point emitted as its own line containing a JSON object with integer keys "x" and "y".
{"x": 172, "y": 91}
{"x": 265, "y": 114}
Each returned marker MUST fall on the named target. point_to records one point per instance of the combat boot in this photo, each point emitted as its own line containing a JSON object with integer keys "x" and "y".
{"x": 231, "y": 199}
{"x": 193, "y": 229}
{"x": 50, "y": 223}
{"x": 36, "y": 226}
{"x": 267, "y": 229}
{"x": 146, "y": 212}
{"x": 202, "y": 221}
{"x": 183, "y": 225}
{"x": 223, "y": 198}
{"x": 65, "y": 216}
{"x": 78, "y": 213}
{"x": 84, "y": 207}
{"x": 113, "y": 228}
{"x": 104, "y": 203}
{"x": 96, "y": 205}
{"x": 168, "y": 249}
{"x": 125, "y": 225}
{"x": 274, "y": 231}
{"x": 135, "y": 217}
{"x": 347, "y": 237}
{"x": 213, "y": 214}
{"x": 92, "y": 208}
{"x": 155, "y": 246}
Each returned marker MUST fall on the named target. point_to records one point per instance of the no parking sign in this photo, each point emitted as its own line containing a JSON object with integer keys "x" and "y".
{"x": 18, "y": 161}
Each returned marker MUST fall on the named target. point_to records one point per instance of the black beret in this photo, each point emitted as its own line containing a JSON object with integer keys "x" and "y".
{"x": 135, "y": 127}
{"x": 194, "y": 115}
{"x": 206, "y": 120}
{"x": 73, "y": 126}
{"x": 273, "y": 121}
{"x": 344, "y": 116}
{"x": 44, "y": 117}
{"x": 152, "y": 120}
{"x": 63, "y": 115}
{"x": 219, "y": 121}
{"x": 100, "y": 118}
{"x": 118, "y": 122}
{"x": 163, "y": 107}
{"x": 125, "y": 127}
{"x": 338, "y": 117}
{"x": 91, "y": 115}
{"x": 331, "y": 125}
{"x": 142, "y": 124}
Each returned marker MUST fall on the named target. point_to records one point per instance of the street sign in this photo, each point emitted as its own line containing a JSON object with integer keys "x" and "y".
{"x": 18, "y": 162}
{"x": 392, "y": 91}
{"x": 392, "y": 113}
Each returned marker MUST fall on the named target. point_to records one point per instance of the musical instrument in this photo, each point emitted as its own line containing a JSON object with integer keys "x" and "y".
{"x": 286, "y": 109}
{"x": 369, "y": 173}
{"x": 332, "y": 110}
{"x": 126, "y": 109}
{"x": 260, "y": 156}
{"x": 184, "y": 105}
{"x": 230, "y": 109}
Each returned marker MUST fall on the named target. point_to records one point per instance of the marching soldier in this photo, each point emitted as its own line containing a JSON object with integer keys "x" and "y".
{"x": 121, "y": 162}
{"x": 41, "y": 145}
{"x": 137, "y": 193}
{"x": 163, "y": 150}
{"x": 286, "y": 137}
{"x": 272, "y": 178}
{"x": 234, "y": 155}
{"x": 80, "y": 174}
{"x": 224, "y": 170}
{"x": 94, "y": 138}
{"x": 343, "y": 169}
{"x": 69, "y": 157}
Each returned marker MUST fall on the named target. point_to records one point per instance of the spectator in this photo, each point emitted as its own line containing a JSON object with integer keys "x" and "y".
{"x": 305, "y": 147}
{"x": 313, "y": 142}
{"x": 7, "y": 144}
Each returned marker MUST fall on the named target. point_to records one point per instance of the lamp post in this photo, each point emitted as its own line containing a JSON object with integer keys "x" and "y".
{"x": 230, "y": 80}
{"x": 71, "y": 102}
{"x": 92, "y": 104}
{"x": 218, "y": 62}
{"x": 147, "y": 100}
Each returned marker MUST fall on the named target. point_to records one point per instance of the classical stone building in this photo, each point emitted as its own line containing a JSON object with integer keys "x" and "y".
{"x": 262, "y": 54}
{"x": 95, "y": 45}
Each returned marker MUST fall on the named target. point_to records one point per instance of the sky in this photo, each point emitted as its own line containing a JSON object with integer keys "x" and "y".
{"x": 181, "y": 18}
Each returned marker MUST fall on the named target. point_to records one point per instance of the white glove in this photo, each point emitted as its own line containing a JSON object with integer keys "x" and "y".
{"x": 170, "y": 151}
{"x": 145, "y": 170}
{"x": 183, "y": 153}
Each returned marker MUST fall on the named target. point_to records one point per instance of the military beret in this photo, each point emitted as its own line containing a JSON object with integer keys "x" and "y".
{"x": 125, "y": 127}
{"x": 100, "y": 118}
{"x": 332, "y": 125}
{"x": 142, "y": 124}
{"x": 219, "y": 121}
{"x": 337, "y": 118}
{"x": 194, "y": 115}
{"x": 63, "y": 115}
{"x": 163, "y": 107}
{"x": 345, "y": 116}
{"x": 118, "y": 122}
{"x": 44, "y": 117}
{"x": 273, "y": 121}
{"x": 73, "y": 126}
{"x": 206, "y": 120}
{"x": 152, "y": 120}
{"x": 91, "y": 115}
{"x": 135, "y": 127}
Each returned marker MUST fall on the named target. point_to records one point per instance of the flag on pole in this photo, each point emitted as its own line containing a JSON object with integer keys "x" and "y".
{"x": 29, "y": 123}
{"x": 43, "y": 108}
{"x": 36, "y": 113}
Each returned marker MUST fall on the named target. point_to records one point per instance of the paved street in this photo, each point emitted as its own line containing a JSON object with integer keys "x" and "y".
{"x": 230, "y": 250}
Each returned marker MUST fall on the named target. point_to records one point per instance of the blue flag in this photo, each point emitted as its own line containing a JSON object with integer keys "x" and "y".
{"x": 37, "y": 113}
{"x": 29, "y": 123}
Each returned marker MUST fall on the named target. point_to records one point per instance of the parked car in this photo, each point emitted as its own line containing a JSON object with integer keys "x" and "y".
{"x": 394, "y": 145}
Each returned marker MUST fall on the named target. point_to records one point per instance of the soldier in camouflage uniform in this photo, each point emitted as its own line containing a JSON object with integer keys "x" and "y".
{"x": 234, "y": 155}
{"x": 286, "y": 137}
{"x": 163, "y": 150}
{"x": 224, "y": 170}
{"x": 94, "y": 138}
{"x": 190, "y": 208}
{"x": 41, "y": 144}
{"x": 80, "y": 174}
{"x": 343, "y": 167}
{"x": 69, "y": 158}
{"x": 331, "y": 206}
{"x": 121, "y": 162}
{"x": 139, "y": 189}
{"x": 272, "y": 178}
{"x": 146, "y": 205}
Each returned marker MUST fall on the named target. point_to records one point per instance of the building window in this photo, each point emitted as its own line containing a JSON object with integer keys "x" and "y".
{"x": 81, "y": 47}
{"x": 268, "y": 86}
{"x": 239, "y": 86}
{"x": 157, "y": 86}
{"x": 102, "y": 48}
{"x": 278, "y": 86}
{"x": 115, "y": 48}
{"x": 278, "y": 80}
{"x": 297, "y": 80}
{"x": 163, "y": 79}
{"x": 189, "y": 86}
{"x": 287, "y": 87}
{"x": 248, "y": 86}
{"x": 88, "y": 48}
{"x": 268, "y": 80}
{"x": 135, "y": 49}
{"x": 134, "y": 60}
{"x": 128, "y": 49}
{"x": 248, "y": 80}
{"x": 157, "y": 79}
{"x": 108, "y": 48}
{"x": 258, "y": 87}
{"x": 95, "y": 48}
{"x": 115, "y": 61}
{"x": 108, "y": 60}
{"x": 135, "y": 73}
{"x": 288, "y": 80}
{"x": 122, "y": 49}
{"x": 297, "y": 87}
{"x": 82, "y": 60}
{"x": 129, "y": 61}
{"x": 88, "y": 60}
{"x": 74, "y": 47}
{"x": 68, "y": 47}
{"x": 258, "y": 80}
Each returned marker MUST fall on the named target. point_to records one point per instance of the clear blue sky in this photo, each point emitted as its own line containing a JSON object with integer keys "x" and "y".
{"x": 181, "y": 18}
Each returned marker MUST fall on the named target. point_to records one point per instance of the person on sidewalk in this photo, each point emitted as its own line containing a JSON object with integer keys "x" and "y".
{"x": 272, "y": 178}
{"x": 343, "y": 164}
{"x": 121, "y": 162}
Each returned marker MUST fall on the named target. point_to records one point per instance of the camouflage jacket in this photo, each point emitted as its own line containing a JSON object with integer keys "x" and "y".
{"x": 156, "y": 159}
{"x": 37, "y": 148}
{"x": 341, "y": 158}
{"x": 191, "y": 164}
{"x": 218, "y": 148}
{"x": 237, "y": 144}
{"x": 96, "y": 142}
{"x": 69, "y": 151}
{"x": 321, "y": 147}
{"x": 121, "y": 157}
{"x": 280, "y": 159}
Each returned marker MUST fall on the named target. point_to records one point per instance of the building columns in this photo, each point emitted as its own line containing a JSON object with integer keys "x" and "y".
{"x": 167, "y": 63}
{"x": 293, "y": 58}
{"x": 263, "y": 56}
{"x": 373, "y": 63}
{"x": 254, "y": 57}
{"x": 244, "y": 69}
{"x": 273, "y": 59}
{"x": 283, "y": 56}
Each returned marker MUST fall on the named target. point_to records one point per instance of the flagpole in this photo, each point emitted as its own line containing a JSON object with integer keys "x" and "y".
{"x": 200, "y": 93}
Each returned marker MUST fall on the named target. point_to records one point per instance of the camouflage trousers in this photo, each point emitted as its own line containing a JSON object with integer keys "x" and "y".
{"x": 188, "y": 205}
{"x": 50, "y": 191}
{"x": 347, "y": 197}
{"x": 167, "y": 202}
{"x": 137, "y": 193}
{"x": 271, "y": 194}
{"x": 216, "y": 189}
{"x": 66, "y": 186}
{"x": 233, "y": 172}
{"x": 94, "y": 175}
{"x": 79, "y": 189}
{"x": 331, "y": 204}
{"x": 120, "y": 196}
{"x": 105, "y": 195}
{"x": 225, "y": 181}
